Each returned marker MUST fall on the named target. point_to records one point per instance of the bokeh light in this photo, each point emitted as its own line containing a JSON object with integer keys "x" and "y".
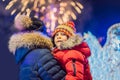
{"x": 51, "y": 12}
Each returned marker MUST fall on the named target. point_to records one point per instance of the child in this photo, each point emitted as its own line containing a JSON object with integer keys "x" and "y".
{"x": 32, "y": 51}
{"x": 71, "y": 52}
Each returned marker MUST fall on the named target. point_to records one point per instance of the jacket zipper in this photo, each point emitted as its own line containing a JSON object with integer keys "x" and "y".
{"x": 74, "y": 68}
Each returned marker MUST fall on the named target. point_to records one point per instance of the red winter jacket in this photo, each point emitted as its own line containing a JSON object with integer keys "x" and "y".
{"x": 75, "y": 61}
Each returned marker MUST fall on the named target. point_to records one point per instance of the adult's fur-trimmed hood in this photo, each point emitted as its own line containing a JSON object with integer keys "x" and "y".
{"x": 29, "y": 40}
{"x": 71, "y": 42}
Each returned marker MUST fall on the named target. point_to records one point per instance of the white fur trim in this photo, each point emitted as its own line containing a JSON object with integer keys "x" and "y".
{"x": 29, "y": 40}
{"x": 71, "y": 42}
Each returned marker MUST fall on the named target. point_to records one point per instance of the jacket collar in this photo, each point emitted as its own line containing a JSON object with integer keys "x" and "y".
{"x": 71, "y": 42}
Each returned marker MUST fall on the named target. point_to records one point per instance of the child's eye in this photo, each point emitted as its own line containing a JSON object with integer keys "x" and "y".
{"x": 56, "y": 35}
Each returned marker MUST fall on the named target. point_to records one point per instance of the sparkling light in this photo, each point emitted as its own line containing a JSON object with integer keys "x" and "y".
{"x": 52, "y": 12}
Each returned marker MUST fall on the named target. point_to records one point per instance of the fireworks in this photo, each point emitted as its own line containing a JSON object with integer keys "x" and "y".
{"x": 52, "y": 12}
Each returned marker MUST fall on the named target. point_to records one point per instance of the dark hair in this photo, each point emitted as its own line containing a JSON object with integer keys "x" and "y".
{"x": 36, "y": 25}
{"x": 53, "y": 41}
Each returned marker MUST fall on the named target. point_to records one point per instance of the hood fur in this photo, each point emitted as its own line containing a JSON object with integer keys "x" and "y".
{"x": 30, "y": 40}
{"x": 71, "y": 42}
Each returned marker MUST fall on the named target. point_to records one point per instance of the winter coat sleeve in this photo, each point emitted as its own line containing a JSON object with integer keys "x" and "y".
{"x": 27, "y": 73}
{"x": 48, "y": 67}
{"x": 28, "y": 70}
{"x": 40, "y": 64}
{"x": 84, "y": 48}
{"x": 74, "y": 65}
{"x": 87, "y": 73}
{"x": 86, "y": 51}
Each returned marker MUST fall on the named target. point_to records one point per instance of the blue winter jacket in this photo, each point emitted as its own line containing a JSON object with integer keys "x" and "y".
{"x": 35, "y": 58}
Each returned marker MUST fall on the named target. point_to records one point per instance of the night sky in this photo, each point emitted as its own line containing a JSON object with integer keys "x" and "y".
{"x": 97, "y": 17}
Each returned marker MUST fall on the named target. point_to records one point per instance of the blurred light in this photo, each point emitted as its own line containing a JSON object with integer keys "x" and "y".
{"x": 51, "y": 12}
{"x": 79, "y": 5}
{"x": 55, "y": 9}
{"x": 13, "y": 11}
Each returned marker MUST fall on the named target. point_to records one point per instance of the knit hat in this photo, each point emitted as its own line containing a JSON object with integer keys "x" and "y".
{"x": 68, "y": 28}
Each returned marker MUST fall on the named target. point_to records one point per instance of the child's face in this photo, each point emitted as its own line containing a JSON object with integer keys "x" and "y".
{"x": 59, "y": 38}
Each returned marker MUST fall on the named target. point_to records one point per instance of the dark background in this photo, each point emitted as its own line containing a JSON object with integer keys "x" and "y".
{"x": 97, "y": 17}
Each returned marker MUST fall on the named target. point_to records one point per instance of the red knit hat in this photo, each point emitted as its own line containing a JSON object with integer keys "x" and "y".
{"x": 68, "y": 28}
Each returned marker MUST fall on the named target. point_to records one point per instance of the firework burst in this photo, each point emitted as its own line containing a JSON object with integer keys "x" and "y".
{"x": 52, "y": 12}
